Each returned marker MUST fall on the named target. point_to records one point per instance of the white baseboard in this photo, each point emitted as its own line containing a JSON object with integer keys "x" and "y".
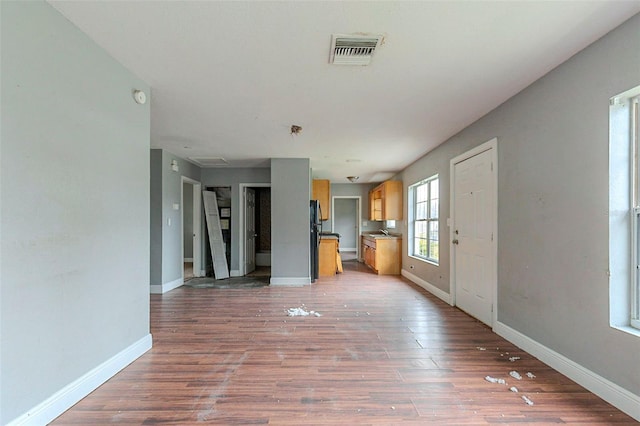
{"x": 69, "y": 395}
{"x": 188, "y": 259}
{"x": 348, "y": 249}
{"x": 235, "y": 273}
{"x": 290, "y": 281}
{"x": 605, "y": 389}
{"x": 440, "y": 294}
{"x": 161, "y": 289}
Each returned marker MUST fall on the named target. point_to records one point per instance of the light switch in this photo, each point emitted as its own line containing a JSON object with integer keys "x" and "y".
{"x": 176, "y": 206}
{"x": 168, "y": 221}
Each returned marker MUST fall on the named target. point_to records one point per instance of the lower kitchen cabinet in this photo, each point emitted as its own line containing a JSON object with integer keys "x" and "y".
{"x": 328, "y": 253}
{"x": 383, "y": 255}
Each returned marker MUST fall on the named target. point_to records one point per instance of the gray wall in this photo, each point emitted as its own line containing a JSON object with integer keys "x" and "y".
{"x": 356, "y": 190}
{"x": 75, "y": 206}
{"x": 166, "y": 240}
{"x": 187, "y": 215}
{"x": 233, "y": 178}
{"x": 155, "y": 264}
{"x": 290, "y": 195}
{"x": 553, "y": 187}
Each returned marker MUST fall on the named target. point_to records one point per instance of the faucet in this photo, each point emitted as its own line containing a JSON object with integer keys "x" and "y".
{"x": 384, "y": 231}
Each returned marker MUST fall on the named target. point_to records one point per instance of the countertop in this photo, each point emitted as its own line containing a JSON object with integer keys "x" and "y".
{"x": 381, "y": 236}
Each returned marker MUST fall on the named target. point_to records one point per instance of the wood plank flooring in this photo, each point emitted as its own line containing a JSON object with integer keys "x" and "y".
{"x": 383, "y": 351}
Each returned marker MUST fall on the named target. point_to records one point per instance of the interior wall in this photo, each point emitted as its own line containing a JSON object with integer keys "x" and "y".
{"x": 75, "y": 207}
{"x": 356, "y": 190}
{"x": 233, "y": 177}
{"x": 155, "y": 216}
{"x": 553, "y": 188}
{"x": 290, "y": 246}
{"x": 166, "y": 238}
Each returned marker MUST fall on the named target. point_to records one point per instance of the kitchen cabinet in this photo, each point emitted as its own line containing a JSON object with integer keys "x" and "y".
{"x": 385, "y": 201}
{"x": 322, "y": 192}
{"x": 382, "y": 254}
{"x": 328, "y": 257}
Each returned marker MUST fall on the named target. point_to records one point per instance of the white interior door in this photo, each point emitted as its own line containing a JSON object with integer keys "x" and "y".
{"x": 250, "y": 230}
{"x": 473, "y": 236}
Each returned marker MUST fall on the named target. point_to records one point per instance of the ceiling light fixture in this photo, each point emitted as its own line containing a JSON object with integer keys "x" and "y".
{"x": 353, "y": 179}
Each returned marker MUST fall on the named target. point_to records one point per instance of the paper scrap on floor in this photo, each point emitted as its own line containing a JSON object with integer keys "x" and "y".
{"x": 527, "y": 400}
{"x": 494, "y": 380}
{"x": 301, "y": 312}
{"x": 515, "y": 375}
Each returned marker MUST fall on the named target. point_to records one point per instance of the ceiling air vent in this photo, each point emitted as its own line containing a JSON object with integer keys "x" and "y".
{"x": 353, "y": 49}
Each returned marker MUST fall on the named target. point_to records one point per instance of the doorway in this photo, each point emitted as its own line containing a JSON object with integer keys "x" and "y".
{"x": 255, "y": 230}
{"x": 345, "y": 211}
{"x": 473, "y": 232}
{"x": 191, "y": 202}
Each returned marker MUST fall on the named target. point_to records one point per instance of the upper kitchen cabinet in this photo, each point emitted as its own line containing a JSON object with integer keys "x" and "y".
{"x": 322, "y": 193}
{"x": 385, "y": 201}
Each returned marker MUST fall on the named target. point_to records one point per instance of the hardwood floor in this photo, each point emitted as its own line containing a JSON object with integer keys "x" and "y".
{"x": 382, "y": 352}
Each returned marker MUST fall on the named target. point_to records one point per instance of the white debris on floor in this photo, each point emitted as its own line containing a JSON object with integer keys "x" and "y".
{"x": 301, "y": 312}
{"x": 513, "y": 389}
{"x": 515, "y": 375}
{"x": 514, "y": 358}
{"x": 527, "y": 400}
{"x": 481, "y": 348}
{"x": 531, "y": 375}
{"x": 494, "y": 380}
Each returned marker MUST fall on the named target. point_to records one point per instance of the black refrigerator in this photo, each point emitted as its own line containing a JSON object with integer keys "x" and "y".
{"x": 315, "y": 227}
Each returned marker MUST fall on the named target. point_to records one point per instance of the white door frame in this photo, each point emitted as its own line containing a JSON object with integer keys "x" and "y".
{"x": 493, "y": 146}
{"x": 198, "y": 269}
{"x": 242, "y": 226}
{"x": 358, "y": 217}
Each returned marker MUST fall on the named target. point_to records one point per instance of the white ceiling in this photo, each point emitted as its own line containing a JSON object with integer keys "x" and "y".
{"x": 228, "y": 79}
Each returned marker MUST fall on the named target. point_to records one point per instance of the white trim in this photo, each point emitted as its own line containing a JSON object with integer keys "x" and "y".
{"x": 348, "y": 250}
{"x": 69, "y": 395}
{"x": 605, "y": 389}
{"x": 235, "y": 273}
{"x": 492, "y": 146}
{"x": 242, "y": 226}
{"x": 163, "y": 288}
{"x": 290, "y": 281}
{"x": 440, "y": 294}
{"x": 188, "y": 259}
{"x": 358, "y": 199}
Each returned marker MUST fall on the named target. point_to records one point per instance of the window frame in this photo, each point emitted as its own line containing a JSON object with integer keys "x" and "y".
{"x": 634, "y": 134}
{"x": 430, "y": 218}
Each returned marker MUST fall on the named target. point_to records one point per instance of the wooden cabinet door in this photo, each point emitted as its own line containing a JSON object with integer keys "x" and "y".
{"x": 322, "y": 193}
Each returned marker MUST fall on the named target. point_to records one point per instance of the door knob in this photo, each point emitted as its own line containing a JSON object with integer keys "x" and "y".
{"x": 455, "y": 241}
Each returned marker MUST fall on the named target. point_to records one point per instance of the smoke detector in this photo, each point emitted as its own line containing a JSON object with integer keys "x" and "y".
{"x": 353, "y": 49}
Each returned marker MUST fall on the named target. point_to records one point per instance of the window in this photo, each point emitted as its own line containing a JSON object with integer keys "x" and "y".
{"x": 624, "y": 210}
{"x": 423, "y": 210}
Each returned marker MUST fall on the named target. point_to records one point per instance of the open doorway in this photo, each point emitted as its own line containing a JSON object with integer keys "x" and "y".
{"x": 255, "y": 230}
{"x": 191, "y": 202}
{"x": 346, "y": 222}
